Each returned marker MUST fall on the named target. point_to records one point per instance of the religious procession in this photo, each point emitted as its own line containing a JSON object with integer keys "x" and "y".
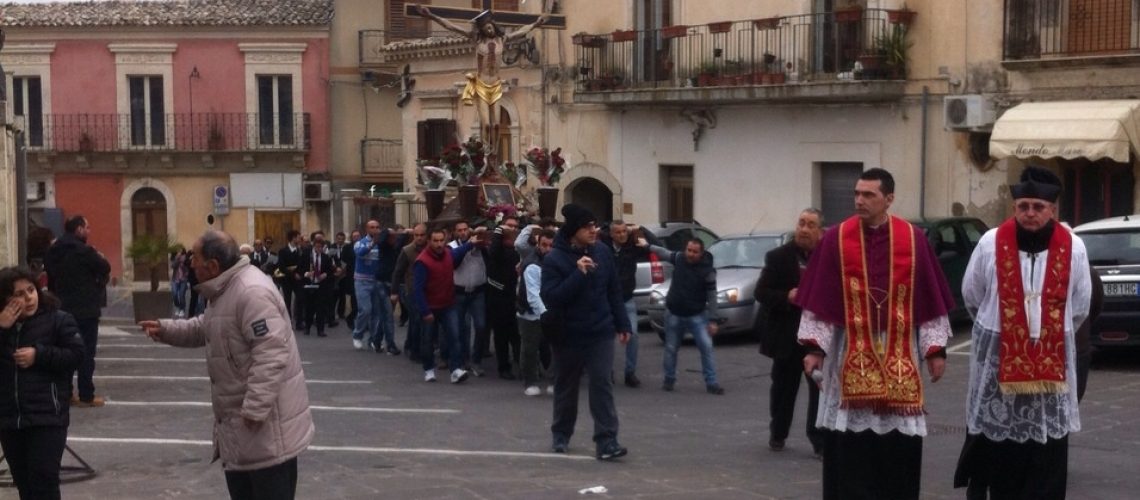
{"x": 352, "y": 249}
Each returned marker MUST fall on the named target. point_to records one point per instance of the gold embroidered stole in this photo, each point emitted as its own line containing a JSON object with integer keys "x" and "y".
{"x": 888, "y": 381}
{"x": 1028, "y": 366}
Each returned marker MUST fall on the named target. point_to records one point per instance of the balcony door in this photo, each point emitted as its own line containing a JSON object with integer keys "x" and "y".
{"x": 1098, "y": 26}
{"x": 275, "y": 110}
{"x": 653, "y": 54}
{"x": 27, "y": 107}
{"x": 147, "y": 111}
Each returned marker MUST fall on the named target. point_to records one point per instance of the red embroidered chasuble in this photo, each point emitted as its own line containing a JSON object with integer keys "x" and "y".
{"x": 1028, "y": 366}
{"x": 887, "y": 379}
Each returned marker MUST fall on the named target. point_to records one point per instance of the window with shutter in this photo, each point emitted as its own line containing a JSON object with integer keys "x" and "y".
{"x": 402, "y": 26}
{"x": 434, "y": 135}
{"x": 503, "y": 5}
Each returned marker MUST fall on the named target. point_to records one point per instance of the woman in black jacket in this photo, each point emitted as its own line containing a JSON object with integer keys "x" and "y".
{"x": 40, "y": 348}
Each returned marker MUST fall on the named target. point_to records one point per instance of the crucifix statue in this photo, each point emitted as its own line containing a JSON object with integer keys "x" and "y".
{"x": 484, "y": 88}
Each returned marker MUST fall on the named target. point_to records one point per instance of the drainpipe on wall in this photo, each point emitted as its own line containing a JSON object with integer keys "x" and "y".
{"x": 922, "y": 156}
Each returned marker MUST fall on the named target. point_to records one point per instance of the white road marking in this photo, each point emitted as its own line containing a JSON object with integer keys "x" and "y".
{"x": 165, "y": 360}
{"x": 963, "y": 348}
{"x": 363, "y": 409}
{"x": 358, "y": 449}
{"x": 110, "y": 331}
{"x": 173, "y": 378}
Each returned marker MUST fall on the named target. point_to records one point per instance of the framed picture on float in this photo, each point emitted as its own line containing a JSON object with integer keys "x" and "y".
{"x": 498, "y": 194}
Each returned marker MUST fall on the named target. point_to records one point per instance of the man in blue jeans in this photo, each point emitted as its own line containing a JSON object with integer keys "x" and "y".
{"x": 622, "y": 239}
{"x": 690, "y": 306}
{"x": 471, "y": 296}
{"x": 368, "y": 293}
{"x": 434, "y": 291}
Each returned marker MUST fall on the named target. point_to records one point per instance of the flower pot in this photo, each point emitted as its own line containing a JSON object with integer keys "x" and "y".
{"x": 778, "y": 78}
{"x": 706, "y": 80}
{"x": 769, "y": 23}
{"x": 592, "y": 41}
{"x": 624, "y": 35}
{"x": 848, "y": 15}
{"x": 903, "y": 17}
{"x": 547, "y": 201}
{"x": 674, "y": 31}
{"x": 433, "y": 199}
{"x": 469, "y": 201}
{"x": 720, "y": 27}
{"x": 872, "y": 62}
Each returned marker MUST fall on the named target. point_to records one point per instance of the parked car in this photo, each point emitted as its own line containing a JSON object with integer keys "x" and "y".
{"x": 1114, "y": 251}
{"x": 738, "y": 261}
{"x": 671, "y": 235}
{"x": 952, "y": 238}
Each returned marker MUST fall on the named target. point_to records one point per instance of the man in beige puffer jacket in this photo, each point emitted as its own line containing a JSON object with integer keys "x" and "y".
{"x": 261, "y": 405}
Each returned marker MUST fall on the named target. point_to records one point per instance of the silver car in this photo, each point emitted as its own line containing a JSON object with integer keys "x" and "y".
{"x": 738, "y": 261}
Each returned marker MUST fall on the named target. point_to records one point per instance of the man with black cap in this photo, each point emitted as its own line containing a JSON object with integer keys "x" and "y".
{"x": 1028, "y": 288}
{"x": 582, "y": 293}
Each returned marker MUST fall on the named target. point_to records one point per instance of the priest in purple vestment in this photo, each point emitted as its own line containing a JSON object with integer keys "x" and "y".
{"x": 875, "y": 307}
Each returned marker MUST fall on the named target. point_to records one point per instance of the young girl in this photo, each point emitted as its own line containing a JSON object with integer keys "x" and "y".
{"x": 40, "y": 348}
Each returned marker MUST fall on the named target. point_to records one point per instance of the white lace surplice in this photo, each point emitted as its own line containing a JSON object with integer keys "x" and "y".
{"x": 1019, "y": 417}
{"x": 834, "y": 343}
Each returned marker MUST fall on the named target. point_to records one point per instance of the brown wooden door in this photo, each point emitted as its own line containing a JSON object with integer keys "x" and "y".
{"x": 1098, "y": 26}
{"x": 275, "y": 225}
{"x": 148, "y": 218}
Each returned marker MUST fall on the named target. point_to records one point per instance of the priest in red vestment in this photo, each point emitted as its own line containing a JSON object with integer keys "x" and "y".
{"x": 875, "y": 307}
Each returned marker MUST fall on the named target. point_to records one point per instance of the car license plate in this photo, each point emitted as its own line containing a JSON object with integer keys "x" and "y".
{"x": 1120, "y": 289}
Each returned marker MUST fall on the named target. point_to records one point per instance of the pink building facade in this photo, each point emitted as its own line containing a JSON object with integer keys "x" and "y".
{"x": 157, "y": 118}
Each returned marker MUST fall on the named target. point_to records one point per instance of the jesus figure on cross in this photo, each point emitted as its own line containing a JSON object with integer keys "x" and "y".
{"x": 484, "y": 88}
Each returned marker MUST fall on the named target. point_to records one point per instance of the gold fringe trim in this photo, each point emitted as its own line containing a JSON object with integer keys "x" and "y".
{"x": 1034, "y": 387}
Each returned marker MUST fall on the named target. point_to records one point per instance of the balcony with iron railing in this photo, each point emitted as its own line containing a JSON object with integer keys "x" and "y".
{"x": 169, "y": 133}
{"x": 382, "y": 157}
{"x": 855, "y": 55}
{"x": 1070, "y": 32}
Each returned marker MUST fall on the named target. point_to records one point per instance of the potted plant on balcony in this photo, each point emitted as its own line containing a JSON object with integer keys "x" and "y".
{"x": 588, "y": 40}
{"x": 215, "y": 141}
{"x": 850, "y": 13}
{"x": 894, "y": 46}
{"x": 768, "y": 23}
{"x": 707, "y": 74}
{"x": 86, "y": 143}
{"x": 624, "y": 36}
{"x": 676, "y": 31}
{"x": 152, "y": 253}
{"x": 903, "y": 16}
{"x": 548, "y": 167}
{"x": 720, "y": 27}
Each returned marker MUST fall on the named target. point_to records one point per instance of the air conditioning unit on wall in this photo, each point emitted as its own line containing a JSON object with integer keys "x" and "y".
{"x": 317, "y": 191}
{"x": 968, "y": 112}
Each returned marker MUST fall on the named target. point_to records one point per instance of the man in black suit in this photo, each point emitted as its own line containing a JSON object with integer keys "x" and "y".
{"x": 316, "y": 272}
{"x": 288, "y": 258}
{"x": 776, "y": 291}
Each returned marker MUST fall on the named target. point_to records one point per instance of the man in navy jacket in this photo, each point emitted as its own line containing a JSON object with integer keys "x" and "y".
{"x": 581, "y": 291}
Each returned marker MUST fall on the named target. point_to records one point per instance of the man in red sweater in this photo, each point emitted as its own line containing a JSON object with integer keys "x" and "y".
{"x": 434, "y": 289}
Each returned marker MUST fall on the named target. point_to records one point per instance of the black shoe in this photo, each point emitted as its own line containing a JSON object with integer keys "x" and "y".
{"x": 632, "y": 381}
{"x": 506, "y": 375}
{"x": 334, "y": 324}
{"x": 611, "y": 450}
{"x": 776, "y": 444}
{"x": 667, "y": 386}
{"x": 715, "y": 389}
{"x": 560, "y": 446}
{"x": 321, "y": 333}
{"x": 393, "y": 351}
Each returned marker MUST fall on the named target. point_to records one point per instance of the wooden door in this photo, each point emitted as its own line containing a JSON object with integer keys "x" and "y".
{"x": 148, "y": 218}
{"x": 275, "y": 224}
{"x": 1099, "y": 26}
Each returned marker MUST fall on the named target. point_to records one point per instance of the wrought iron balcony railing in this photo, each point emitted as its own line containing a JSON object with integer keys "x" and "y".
{"x": 175, "y": 132}
{"x": 1040, "y": 29}
{"x": 382, "y": 156}
{"x": 852, "y": 44}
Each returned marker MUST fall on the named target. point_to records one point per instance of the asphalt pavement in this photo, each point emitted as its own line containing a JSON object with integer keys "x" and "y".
{"x": 384, "y": 433}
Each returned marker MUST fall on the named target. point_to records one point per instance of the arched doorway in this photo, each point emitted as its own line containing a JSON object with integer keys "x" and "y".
{"x": 595, "y": 196}
{"x": 148, "y": 217}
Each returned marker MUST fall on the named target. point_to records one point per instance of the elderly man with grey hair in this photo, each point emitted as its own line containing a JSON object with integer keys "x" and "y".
{"x": 261, "y": 406}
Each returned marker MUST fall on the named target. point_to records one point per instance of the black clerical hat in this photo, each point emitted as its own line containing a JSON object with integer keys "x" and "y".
{"x": 1037, "y": 182}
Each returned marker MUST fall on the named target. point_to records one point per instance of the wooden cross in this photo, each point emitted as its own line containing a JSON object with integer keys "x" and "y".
{"x": 502, "y": 18}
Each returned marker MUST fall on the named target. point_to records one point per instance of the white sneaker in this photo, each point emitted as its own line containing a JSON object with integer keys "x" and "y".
{"x": 533, "y": 391}
{"x": 429, "y": 376}
{"x": 550, "y": 389}
{"x": 458, "y": 375}
{"x": 357, "y": 344}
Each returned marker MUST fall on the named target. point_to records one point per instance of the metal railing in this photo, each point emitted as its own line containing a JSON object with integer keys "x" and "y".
{"x": 91, "y": 133}
{"x": 382, "y": 156}
{"x": 1035, "y": 29}
{"x": 372, "y": 42}
{"x": 777, "y": 50}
